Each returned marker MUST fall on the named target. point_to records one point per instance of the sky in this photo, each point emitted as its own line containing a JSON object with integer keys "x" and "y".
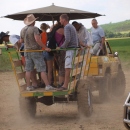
{"x": 114, "y": 11}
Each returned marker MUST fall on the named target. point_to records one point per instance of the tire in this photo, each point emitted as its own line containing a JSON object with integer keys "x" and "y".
{"x": 127, "y": 116}
{"x": 27, "y": 107}
{"x": 119, "y": 84}
{"x": 84, "y": 98}
{"x": 127, "y": 126}
{"x": 105, "y": 88}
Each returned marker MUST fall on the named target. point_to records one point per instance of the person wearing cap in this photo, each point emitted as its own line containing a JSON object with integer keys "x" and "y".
{"x": 4, "y": 37}
{"x": 15, "y": 41}
{"x": 32, "y": 41}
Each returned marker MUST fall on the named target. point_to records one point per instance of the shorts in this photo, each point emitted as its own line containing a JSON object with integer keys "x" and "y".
{"x": 47, "y": 56}
{"x": 34, "y": 59}
{"x": 69, "y": 58}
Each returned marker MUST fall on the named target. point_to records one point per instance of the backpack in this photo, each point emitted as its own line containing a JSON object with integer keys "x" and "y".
{"x": 52, "y": 44}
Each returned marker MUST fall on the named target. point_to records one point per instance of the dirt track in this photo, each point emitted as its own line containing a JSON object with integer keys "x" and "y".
{"x": 107, "y": 116}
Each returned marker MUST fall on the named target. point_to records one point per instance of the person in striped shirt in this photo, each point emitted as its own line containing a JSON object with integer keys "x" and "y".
{"x": 71, "y": 41}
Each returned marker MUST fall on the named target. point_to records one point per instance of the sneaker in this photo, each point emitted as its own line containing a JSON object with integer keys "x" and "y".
{"x": 60, "y": 85}
{"x": 30, "y": 88}
{"x": 48, "y": 87}
{"x": 35, "y": 87}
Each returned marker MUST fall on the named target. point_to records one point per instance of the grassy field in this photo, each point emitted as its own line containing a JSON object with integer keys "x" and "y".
{"x": 122, "y": 46}
{"x": 5, "y": 64}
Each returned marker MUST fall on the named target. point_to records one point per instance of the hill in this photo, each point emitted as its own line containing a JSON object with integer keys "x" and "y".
{"x": 117, "y": 30}
{"x": 119, "y": 27}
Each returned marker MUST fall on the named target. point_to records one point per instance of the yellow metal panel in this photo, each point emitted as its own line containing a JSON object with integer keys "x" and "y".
{"x": 48, "y": 93}
{"x": 27, "y": 94}
{"x": 94, "y": 59}
{"x": 92, "y": 71}
{"x": 94, "y": 65}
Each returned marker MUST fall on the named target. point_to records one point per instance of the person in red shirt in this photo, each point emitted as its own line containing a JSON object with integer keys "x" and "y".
{"x": 44, "y": 28}
{"x": 48, "y": 58}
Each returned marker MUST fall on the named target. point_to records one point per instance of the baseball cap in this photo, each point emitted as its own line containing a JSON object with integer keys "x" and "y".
{"x": 14, "y": 39}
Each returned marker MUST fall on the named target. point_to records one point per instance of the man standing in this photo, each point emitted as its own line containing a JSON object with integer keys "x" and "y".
{"x": 32, "y": 41}
{"x": 98, "y": 36}
{"x": 71, "y": 41}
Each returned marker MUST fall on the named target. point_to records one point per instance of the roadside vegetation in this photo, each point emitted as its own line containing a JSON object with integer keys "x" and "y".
{"x": 121, "y": 45}
{"x": 119, "y": 29}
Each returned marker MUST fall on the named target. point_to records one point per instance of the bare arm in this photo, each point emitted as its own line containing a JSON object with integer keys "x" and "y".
{"x": 21, "y": 40}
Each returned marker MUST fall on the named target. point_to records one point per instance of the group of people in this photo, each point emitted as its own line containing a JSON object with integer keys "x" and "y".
{"x": 64, "y": 35}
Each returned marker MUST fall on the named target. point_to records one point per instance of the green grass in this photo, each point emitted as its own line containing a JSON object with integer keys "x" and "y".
{"x": 122, "y": 46}
{"x": 5, "y": 64}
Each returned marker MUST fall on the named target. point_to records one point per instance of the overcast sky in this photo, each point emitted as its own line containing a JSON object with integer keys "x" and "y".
{"x": 115, "y": 11}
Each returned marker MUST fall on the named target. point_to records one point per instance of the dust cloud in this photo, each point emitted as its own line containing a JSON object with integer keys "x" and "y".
{"x": 106, "y": 116}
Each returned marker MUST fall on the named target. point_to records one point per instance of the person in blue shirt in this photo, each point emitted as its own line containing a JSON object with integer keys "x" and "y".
{"x": 98, "y": 37}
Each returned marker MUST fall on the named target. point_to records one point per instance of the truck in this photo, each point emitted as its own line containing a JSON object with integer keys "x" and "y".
{"x": 102, "y": 73}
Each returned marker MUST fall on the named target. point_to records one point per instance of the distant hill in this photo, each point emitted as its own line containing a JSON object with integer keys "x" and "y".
{"x": 117, "y": 30}
{"x": 119, "y": 27}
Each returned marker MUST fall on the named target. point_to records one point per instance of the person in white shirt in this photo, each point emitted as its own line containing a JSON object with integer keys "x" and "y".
{"x": 84, "y": 36}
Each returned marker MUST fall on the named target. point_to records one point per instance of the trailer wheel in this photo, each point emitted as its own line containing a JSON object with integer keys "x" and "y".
{"x": 84, "y": 98}
{"x": 27, "y": 106}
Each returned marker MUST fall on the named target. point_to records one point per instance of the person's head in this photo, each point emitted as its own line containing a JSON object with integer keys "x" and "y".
{"x": 64, "y": 19}
{"x": 15, "y": 40}
{"x": 30, "y": 20}
{"x": 4, "y": 37}
{"x": 58, "y": 25}
{"x": 76, "y": 25}
{"x": 44, "y": 27}
{"x": 94, "y": 23}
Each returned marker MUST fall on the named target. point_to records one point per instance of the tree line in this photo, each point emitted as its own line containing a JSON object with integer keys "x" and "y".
{"x": 110, "y": 34}
{"x": 119, "y": 29}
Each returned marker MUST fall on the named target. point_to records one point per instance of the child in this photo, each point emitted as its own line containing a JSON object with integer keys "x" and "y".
{"x": 48, "y": 58}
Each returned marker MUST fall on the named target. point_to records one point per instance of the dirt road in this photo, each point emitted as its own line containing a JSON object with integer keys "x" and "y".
{"x": 107, "y": 116}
